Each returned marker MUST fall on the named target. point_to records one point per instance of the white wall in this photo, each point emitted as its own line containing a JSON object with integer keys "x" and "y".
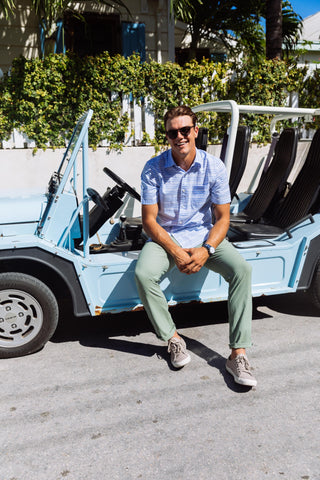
{"x": 23, "y": 172}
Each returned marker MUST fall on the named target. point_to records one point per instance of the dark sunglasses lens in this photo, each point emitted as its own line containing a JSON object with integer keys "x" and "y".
{"x": 185, "y": 131}
{"x": 172, "y": 134}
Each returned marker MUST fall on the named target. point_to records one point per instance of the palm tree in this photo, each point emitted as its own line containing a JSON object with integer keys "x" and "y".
{"x": 234, "y": 23}
{"x": 292, "y": 25}
{"x": 273, "y": 29}
{"x": 237, "y": 24}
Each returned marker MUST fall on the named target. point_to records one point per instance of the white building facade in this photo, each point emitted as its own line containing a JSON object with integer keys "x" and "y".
{"x": 147, "y": 30}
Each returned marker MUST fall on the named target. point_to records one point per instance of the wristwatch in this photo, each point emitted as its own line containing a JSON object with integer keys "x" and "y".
{"x": 209, "y": 248}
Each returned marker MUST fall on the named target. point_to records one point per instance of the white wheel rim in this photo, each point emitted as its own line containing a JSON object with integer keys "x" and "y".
{"x": 21, "y": 318}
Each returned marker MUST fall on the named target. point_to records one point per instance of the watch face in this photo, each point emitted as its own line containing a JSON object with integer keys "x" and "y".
{"x": 210, "y": 248}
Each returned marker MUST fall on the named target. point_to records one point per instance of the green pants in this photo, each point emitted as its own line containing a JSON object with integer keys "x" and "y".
{"x": 154, "y": 262}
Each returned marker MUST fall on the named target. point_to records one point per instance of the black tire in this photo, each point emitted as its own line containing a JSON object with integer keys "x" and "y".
{"x": 28, "y": 314}
{"x": 314, "y": 289}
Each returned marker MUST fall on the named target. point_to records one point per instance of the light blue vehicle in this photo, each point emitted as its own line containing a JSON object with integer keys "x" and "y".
{"x": 58, "y": 246}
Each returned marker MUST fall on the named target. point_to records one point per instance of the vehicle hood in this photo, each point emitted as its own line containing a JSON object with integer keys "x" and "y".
{"x": 24, "y": 209}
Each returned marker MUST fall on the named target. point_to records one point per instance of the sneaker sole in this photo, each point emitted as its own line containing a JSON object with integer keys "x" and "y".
{"x": 183, "y": 363}
{"x": 240, "y": 381}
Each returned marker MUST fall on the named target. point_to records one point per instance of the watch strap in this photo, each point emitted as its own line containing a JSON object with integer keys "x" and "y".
{"x": 209, "y": 248}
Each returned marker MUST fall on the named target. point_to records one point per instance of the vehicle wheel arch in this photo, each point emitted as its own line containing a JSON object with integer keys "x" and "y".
{"x": 314, "y": 289}
{"x": 63, "y": 282}
{"x": 310, "y": 264}
{"x": 310, "y": 276}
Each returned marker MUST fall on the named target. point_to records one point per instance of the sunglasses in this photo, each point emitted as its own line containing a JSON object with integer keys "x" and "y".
{"x": 185, "y": 132}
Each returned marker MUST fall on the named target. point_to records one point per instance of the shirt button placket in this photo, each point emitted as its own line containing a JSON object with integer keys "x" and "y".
{"x": 184, "y": 198}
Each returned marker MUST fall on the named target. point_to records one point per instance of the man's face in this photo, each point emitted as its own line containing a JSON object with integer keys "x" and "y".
{"x": 182, "y": 145}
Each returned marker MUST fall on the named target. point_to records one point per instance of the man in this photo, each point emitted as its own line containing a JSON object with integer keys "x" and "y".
{"x": 179, "y": 190}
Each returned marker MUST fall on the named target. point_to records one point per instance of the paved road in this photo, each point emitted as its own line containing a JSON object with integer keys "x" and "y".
{"x": 101, "y": 401}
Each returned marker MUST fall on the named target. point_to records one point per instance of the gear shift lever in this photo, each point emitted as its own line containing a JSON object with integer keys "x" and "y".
{"x": 123, "y": 235}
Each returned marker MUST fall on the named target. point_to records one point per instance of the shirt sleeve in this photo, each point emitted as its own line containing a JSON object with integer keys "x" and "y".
{"x": 149, "y": 185}
{"x": 220, "y": 191}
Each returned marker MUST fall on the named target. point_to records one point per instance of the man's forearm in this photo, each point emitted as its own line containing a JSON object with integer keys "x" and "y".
{"x": 218, "y": 233}
{"x": 159, "y": 235}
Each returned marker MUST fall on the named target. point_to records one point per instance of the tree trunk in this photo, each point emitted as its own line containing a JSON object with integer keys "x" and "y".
{"x": 273, "y": 29}
{"x": 194, "y": 33}
{"x": 49, "y": 44}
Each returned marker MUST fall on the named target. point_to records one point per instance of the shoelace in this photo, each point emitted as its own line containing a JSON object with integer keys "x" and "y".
{"x": 241, "y": 361}
{"x": 174, "y": 347}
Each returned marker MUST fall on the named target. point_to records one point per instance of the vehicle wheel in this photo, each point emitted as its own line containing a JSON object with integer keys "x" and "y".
{"x": 28, "y": 314}
{"x": 314, "y": 289}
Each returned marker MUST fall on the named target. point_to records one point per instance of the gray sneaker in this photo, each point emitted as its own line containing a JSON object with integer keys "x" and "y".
{"x": 178, "y": 350}
{"x": 240, "y": 369}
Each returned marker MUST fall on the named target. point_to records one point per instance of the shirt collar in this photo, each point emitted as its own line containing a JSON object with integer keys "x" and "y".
{"x": 169, "y": 162}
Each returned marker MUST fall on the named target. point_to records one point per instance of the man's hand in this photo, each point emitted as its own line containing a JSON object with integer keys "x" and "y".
{"x": 182, "y": 259}
{"x": 197, "y": 257}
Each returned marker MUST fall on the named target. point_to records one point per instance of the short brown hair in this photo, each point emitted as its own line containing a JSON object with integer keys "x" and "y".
{"x": 179, "y": 112}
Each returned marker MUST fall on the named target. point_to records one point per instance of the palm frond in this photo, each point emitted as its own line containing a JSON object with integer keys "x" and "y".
{"x": 184, "y": 10}
{"x": 7, "y": 7}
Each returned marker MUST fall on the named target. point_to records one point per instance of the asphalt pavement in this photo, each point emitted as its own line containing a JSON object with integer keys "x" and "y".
{"x": 101, "y": 400}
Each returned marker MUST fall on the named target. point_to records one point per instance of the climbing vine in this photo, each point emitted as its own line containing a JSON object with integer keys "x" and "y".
{"x": 43, "y": 98}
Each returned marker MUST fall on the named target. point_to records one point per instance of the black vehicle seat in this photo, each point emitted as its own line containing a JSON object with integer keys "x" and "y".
{"x": 240, "y": 155}
{"x": 297, "y": 204}
{"x": 202, "y": 138}
{"x": 272, "y": 184}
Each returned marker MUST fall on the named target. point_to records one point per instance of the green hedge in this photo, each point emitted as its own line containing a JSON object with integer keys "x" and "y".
{"x": 43, "y": 98}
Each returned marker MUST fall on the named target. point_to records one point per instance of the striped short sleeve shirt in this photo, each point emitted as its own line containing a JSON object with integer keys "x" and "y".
{"x": 185, "y": 198}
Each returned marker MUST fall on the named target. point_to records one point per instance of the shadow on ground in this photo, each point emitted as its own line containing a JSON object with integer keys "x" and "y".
{"x": 103, "y": 332}
{"x": 130, "y": 324}
{"x": 100, "y": 332}
{"x": 290, "y": 304}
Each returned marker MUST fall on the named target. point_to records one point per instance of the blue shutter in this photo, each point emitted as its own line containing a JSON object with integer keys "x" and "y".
{"x": 59, "y": 43}
{"x": 133, "y": 39}
{"x": 60, "y": 46}
{"x": 42, "y": 37}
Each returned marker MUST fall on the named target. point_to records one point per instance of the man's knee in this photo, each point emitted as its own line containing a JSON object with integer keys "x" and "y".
{"x": 246, "y": 268}
{"x": 238, "y": 271}
{"x": 243, "y": 273}
{"x": 140, "y": 274}
{"x": 243, "y": 270}
{"x": 144, "y": 275}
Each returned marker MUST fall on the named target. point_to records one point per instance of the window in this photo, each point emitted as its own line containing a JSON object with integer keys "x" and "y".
{"x": 98, "y": 33}
{"x": 57, "y": 40}
{"x": 133, "y": 39}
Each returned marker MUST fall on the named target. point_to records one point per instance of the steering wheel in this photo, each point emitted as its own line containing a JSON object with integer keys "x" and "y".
{"x": 96, "y": 198}
{"x": 122, "y": 184}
